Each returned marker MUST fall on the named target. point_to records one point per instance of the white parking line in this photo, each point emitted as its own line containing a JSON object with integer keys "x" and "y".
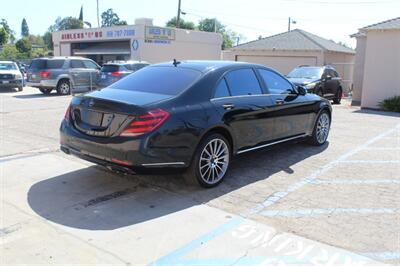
{"x": 385, "y": 255}
{"x": 281, "y": 194}
{"x": 382, "y": 149}
{"x": 356, "y": 181}
{"x": 371, "y": 161}
{"x": 332, "y": 211}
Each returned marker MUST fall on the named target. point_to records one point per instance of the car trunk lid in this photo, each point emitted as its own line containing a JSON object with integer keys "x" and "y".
{"x": 106, "y": 112}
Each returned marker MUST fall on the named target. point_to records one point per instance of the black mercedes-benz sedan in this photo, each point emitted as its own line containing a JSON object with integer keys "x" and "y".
{"x": 192, "y": 117}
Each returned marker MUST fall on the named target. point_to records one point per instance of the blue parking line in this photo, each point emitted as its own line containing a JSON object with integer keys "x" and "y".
{"x": 174, "y": 258}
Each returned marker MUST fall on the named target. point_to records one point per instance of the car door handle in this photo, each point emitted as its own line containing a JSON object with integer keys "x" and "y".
{"x": 228, "y": 106}
{"x": 279, "y": 101}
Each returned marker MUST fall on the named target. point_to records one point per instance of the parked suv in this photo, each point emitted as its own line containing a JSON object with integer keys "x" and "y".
{"x": 65, "y": 74}
{"x": 114, "y": 71}
{"x": 324, "y": 81}
{"x": 10, "y": 75}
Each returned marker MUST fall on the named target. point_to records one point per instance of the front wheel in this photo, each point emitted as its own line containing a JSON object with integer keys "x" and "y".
{"x": 338, "y": 97}
{"x": 210, "y": 163}
{"x": 20, "y": 88}
{"x": 321, "y": 129}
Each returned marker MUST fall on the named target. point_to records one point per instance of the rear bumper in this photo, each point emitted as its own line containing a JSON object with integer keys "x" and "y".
{"x": 48, "y": 83}
{"x": 124, "y": 154}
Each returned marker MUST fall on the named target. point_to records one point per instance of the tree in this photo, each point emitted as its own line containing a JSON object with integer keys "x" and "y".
{"x": 9, "y": 52}
{"x": 213, "y": 25}
{"x": 23, "y": 45}
{"x": 24, "y": 28}
{"x": 81, "y": 14}
{"x": 67, "y": 23}
{"x": 188, "y": 25}
{"x": 48, "y": 40}
{"x": 36, "y": 39}
{"x": 10, "y": 32}
{"x": 109, "y": 18}
{"x": 3, "y": 36}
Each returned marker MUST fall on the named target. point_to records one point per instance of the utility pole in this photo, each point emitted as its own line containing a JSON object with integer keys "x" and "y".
{"x": 98, "y": 17}
{"x": 215, "y": 25}
{"x": 178, "y": 17}
{"x": 290, "y": 23}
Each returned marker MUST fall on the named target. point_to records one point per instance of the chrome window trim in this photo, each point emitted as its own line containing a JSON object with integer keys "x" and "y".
{"x": 252, "y": 95}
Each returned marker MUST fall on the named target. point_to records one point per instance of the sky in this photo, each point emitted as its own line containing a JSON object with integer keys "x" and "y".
{"x": 334, "y": 20}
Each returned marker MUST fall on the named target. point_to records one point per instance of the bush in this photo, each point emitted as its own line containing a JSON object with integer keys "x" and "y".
{"x": 391, "y": 104}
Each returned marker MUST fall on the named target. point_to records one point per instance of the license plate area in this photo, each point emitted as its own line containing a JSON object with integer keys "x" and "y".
{"x": 91, "y": 118}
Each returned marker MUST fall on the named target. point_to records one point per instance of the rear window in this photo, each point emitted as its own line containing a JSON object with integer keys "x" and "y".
{"x": 110, "y": 68}
{"x": 47, "y": 64}
{"x": 160, "y": 80}
{"x": 135, "y": 67}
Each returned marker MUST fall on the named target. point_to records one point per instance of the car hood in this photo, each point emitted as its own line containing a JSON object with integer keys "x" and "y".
{"x": 302, "y": 81}
{"x": 128, "y": 97}
{"x": 13, "y": 72}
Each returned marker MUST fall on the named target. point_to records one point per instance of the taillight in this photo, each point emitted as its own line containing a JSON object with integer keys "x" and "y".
{"x": 116, "y": 74}
{"x": 44, "y": 74}
{"x": 66, "y": 115}
{"x": 146, "y": 123}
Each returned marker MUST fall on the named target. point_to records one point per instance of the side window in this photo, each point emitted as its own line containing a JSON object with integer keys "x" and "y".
{"x": 221, "y": 90}
{"x": 90, "y": 64}
{"x": 275, "y": 83}
{"x": 243, "y": 82}
{"x": 335, "y": 74}
{"x": 77, "y": 64}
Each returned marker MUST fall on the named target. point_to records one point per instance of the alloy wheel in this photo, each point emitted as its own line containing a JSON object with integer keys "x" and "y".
{"x": 214, "y": 161}
{"x": 323, "y": 126}
{"x": 64, "y": 88}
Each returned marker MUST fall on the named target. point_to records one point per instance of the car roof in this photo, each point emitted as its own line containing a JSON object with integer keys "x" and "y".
{"x": 8, "y": 62}
{"x": 61, "y": 57}
{"x": 125, "y": 62}
{"x": 322, "y": 67}
{"x": 206, "y": 65}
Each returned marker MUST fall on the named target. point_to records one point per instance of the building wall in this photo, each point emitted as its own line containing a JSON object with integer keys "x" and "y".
{"x": 182, "y": 45}
{"x": 358, "y": 74}
{"x": 382, "y": 67}
{"x": 282, "y": 61}
{"x": 344, "y": 64}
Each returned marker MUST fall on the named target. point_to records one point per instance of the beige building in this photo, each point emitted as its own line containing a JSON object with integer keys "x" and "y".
{"x": 377, "y": 63}
{"x": 141, "y": 41}
{"x": 288, "y": 50}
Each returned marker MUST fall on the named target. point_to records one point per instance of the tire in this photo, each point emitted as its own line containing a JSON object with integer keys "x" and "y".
{"x": 319, "y": 92}
{"x": 64, "y": 87}
{"x": 206, "y": 171}
{"x": 20, "y": 88}
{"x": 321, "y": 129}
{"x": 338, "y": 97}
{"x": 45, "y": 91}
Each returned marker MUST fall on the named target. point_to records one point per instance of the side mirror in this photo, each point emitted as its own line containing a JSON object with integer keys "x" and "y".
{"x": 301, "y": 90}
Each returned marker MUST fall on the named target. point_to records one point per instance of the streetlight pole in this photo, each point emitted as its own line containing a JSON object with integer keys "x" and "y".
{"x": 178, "y": 17}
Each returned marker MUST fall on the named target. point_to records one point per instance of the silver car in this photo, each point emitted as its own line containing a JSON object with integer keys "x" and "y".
{"x": 65, "y": 74}
{"x": 10, "y": 76}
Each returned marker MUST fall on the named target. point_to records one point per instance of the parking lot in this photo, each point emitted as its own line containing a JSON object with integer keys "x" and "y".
{"x": 337, "y": 204}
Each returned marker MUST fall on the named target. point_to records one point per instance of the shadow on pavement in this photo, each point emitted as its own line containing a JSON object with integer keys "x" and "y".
{"x": 35, "y": 96}
{"x": 94, "y": 199}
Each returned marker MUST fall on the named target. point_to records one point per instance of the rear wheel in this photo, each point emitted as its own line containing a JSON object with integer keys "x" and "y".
{"x": 321, "y": 129}
{"x": 45, "y": 91}
{"x": 338, "y": 96}
{"x": 210, "y": 163}
{"x": 64, "y": 87}
{"x": 20, "y": 88}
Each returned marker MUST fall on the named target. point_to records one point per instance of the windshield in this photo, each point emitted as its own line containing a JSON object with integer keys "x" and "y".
{"x": 160, "y": 80}
{"x": 306, "y": 72}
{"x": 8, "y": 66}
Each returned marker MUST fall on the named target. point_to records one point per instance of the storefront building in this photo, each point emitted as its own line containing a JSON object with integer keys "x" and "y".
{"x": 142, "y": 42}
